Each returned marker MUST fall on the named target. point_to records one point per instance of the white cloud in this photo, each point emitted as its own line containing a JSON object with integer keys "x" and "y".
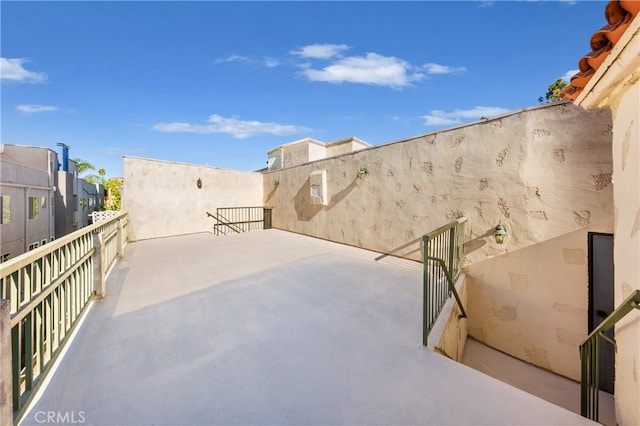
{"x": 372, "y": 69}
{"x": 442, "y": 69}
{"x": 13, "y": 70}
{"x": 271, "y": 62}
{"x": 233, "y": 58}
{"x": 567, "y": 76}
{"x": 443, "y": 118}
{"x": 320, "y": 51}
{"x": 267, "y": 62}
{"x": 32, "y": 109}
{"x": 238, "y": 129}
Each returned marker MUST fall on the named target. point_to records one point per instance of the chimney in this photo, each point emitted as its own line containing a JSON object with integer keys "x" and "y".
{"x": 65, "y": 156}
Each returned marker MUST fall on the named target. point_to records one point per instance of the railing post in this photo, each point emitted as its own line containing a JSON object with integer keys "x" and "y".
{"x": 97, "y": 258}
{"x": 120, "y": 240}
{"x": 6, "y": 377}
{"x": 266, "y": 218}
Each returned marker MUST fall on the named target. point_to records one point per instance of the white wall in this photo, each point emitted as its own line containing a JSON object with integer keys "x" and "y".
{"x": 163, "y": 199}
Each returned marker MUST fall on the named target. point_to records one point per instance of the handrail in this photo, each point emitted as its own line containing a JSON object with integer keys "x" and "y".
{"x": 590, "y": 353}
{"x": 49, "y": 289}
{"x": 241, "y": 219}
{"x": 451, "y": 286}
{"x": 442, "y": 261}
{"x": 223, "y": 221}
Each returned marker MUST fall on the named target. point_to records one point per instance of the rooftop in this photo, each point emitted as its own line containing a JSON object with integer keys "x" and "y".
{"x": 619, "y": 14}
{"x": 307, "y": 332}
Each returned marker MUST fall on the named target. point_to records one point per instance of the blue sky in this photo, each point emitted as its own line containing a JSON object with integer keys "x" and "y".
{"x": 221, "y": 83}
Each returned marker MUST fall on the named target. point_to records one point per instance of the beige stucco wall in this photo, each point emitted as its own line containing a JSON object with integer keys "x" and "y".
{"x": 451, "y": 339}
{"x": 627, "y": 252}
{"x": 537, "y": 172}
{"x": 162, "y": 197}
{"x": 533, "y": 303}
{"x": 534, "y": 170}
{"x": 616, "y": 84}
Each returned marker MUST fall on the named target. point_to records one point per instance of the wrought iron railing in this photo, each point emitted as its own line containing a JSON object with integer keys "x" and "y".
{"x": 233, "y": 220}
{"x": 442, "y": 264}
{"x": 48, "y": 289}
{"x": 590, "y": 356}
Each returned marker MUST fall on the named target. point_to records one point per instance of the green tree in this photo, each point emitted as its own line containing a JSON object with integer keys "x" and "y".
{"x": 112, "y": 185}
{"x": 97, "y": 178}
{"x": 553, "y": 92}
{"x": 83, "y": 166}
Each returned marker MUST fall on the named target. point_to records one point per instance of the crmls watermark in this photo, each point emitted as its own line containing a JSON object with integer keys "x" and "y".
{"x": 60, "y": 417}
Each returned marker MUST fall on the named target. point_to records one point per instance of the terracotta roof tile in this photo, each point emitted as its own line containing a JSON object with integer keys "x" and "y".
{"x": 619, "y": 14}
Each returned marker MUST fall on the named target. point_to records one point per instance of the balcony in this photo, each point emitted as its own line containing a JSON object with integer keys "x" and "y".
{"x": 268, "y": 327}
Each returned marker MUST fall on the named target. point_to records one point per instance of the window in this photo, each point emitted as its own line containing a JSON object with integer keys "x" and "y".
{"x": 44, "y": 202}
{"x": 33, "y": 207}
{"x": 5, "y": 257}
{"x": 5, "y": 200}
{"x": 33, "y": 246}
{"x": 43, "y": 242}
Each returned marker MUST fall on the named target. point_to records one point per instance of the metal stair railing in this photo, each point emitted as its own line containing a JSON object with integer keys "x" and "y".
{"x": 222, "y": 221}
{"x": 442, "y": 264}
{"x": 590, "y": 357}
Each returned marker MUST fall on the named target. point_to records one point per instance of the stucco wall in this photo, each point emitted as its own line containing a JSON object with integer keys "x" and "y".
{"x": 163, "y": 199}
{"x": 543, "y": 172}
{"x": 616, "y": 84}
{"x": 535, "y": 170}
{"x": 626, "y": 152}
{"x": 533, "y": 303}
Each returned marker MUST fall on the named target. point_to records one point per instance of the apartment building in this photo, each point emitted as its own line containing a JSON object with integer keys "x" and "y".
{"x": 41, "y": 198}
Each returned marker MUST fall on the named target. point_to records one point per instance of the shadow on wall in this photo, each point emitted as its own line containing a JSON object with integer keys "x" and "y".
{"x": 271, "y": 193}
{"x": 478, "y": 242}
{"x": 302, "y": 200}
{"x": 336, "y": 199}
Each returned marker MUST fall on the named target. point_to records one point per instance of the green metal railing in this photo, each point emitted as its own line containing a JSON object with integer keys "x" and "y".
{"x": 442, "y": 264}
{"x": 48, "y": 290}
{"x": 590, "y": 356}
{"x": 232, "y": 220}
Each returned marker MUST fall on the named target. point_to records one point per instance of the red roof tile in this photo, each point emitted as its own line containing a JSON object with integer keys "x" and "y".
{"x": 619, "y": 14}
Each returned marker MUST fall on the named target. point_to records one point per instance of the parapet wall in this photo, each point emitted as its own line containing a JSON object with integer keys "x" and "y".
{"x": 544, "y": 173}
{"x": 163, "y": 198}
{"x": 536, "y": 171}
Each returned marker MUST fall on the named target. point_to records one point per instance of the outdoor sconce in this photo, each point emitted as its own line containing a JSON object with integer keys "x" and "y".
{"x": 500, "y": 234}
{"x": 199, "y": 183}
{"x": 362, "y": 173}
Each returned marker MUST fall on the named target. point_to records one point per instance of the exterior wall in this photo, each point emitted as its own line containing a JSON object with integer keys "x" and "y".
{"x": 308, "y": 150}
{"x": 533, "y": 303}
{"x": 66, "y": 204}
{"x": 345, "y": 146}
{"x": 545, "y": 179}
{"x": 451, "y": 339}
{"x": 626, "y": 153}
{"x": 534, "y": 170}
{"x": 316, "y": 152}
{"x": 27, "y": 173}
{"x": 162, "y": 197}
{"x": 616, "y": 84}
{"x": 90, "y": 199}
{"x": 67, "y": 201}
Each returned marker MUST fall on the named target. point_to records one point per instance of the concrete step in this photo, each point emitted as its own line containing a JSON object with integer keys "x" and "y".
{"x": 539, "y": 382}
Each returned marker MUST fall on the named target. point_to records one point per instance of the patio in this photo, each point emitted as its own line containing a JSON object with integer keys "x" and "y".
{"x": 269, "y": 327}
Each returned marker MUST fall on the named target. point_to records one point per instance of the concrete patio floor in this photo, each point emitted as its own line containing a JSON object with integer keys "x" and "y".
{"x": 270, "y": 328}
